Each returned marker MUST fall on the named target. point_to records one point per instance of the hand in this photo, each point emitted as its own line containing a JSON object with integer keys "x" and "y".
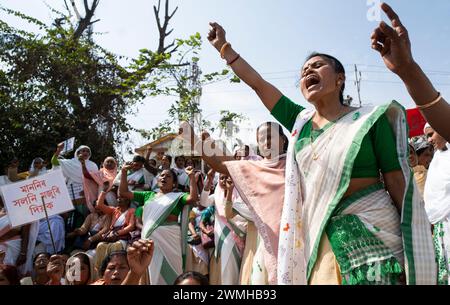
{"x": 393, "y": 43}
{"x": 139, "y": 255}
{"x": 205, "y": 135}
{"x": 21, "y": 259}
{"x": 81, "y": 159}
{"x": 198, "y": 175}
{"x": 211, "y": 174}
{"x": 229, "y": 184}
{"x": 190, "y": 171}
{"x": 105, "y": 186}
{"x": 60, "y": 147}
{"x": 126, "y": 167}
{"x": 216, "y": 35}
{"x": 55, "y": 269}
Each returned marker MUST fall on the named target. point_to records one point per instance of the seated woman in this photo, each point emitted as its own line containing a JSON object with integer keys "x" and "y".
{"x": 160, "y": 222}
{"x": 39, "y": 275}
{"x": 122, "y": 223}
{"x": 37, "y": 168}
{"x": 91, "y": 232}
{"x": 17, "y": 243}
{"x": 44, "y": 239}
{"x": 80, "y": 270}
{"x": 96, "y": 179}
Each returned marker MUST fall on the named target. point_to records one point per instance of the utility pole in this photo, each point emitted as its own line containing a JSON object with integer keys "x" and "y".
{"x": 358, "y": 83}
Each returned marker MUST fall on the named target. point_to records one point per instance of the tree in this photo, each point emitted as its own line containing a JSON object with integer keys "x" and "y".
{"x": 60, "y": 83}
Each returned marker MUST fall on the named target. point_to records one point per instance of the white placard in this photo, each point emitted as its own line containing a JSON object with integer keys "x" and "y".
{"x": 23, "y": 200}
{"x": 68, "y": 145}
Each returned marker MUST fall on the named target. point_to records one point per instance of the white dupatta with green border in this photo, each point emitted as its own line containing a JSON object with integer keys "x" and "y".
{"x": 309, "y": 203}
{"x": 167, "y": 261}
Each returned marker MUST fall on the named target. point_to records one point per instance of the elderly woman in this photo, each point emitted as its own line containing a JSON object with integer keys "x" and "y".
{"x": 39, "y": 275}
{"x": 262, "y": 202}
{"x": 37, "y": 168}
{"x": 18, "y": 244}
{"x": 95, "y": 180}
{"x": 339, "y": 225}
{"x": 73, "y": 172}
{"x": 160, "y": 214}
{"x": 91, "y": 232}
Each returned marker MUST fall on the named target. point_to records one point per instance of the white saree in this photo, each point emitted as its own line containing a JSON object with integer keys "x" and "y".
{"x": 315, "y": 186}
{"x": 167, "y": 261}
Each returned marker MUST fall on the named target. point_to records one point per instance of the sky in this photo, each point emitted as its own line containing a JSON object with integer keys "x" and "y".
{"x": 274, "y": 37}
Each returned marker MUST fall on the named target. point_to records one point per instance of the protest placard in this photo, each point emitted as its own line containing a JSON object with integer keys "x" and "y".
{"x": 68, "y": 145}
{"x": 23, "y": 200}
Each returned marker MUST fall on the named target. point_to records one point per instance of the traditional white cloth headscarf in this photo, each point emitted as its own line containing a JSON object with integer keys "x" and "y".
{"x": 72, "y": 169}
{"x": 35, "y": 172}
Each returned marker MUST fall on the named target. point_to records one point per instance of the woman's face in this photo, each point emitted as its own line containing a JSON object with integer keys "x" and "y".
{"x": 165, "y": 181}
{"x": 269, "y": 143}
{"x": 123, "y": 202}
{"x": 223, "y": 181}
{"x": 180, "y": 161}
{"x": 116, "y": 271}
{"x": 165, "y": 162}
{"x": 40, "y": 264}
{"x": 110, "y": 164}
{"x": 78, "y": 272}
{"x": 425, "y": 157}
{"x": 137, "y": 165}
{"x": 38, "y": 164}
{"x": 84, "y": 153}
{"x": 189, "y": 162}
{"x": 435, "y": 139}
{"x": 319, "y": 79}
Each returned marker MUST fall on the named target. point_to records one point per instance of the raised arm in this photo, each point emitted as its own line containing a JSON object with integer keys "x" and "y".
{"x": 54, "y": 161}
{"x": 229, "y": 213}
{"x": 193, "y": 191}
{"x": 206, "y": 147}
{"x": 123, "y": 187}
{"x": 101, "y": 202}
{"x": 394, "y": 46}
{"x": 86, "y": 173}
{"x": 268, "y": 94}
{"x": 207, "y": 200}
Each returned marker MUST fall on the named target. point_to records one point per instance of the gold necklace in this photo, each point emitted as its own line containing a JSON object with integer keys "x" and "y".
{"x": 315, "y": 156}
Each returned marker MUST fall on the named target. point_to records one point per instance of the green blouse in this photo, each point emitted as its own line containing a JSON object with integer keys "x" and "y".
{"x": 378, "y": 149}
{"x": 144, "y": 198}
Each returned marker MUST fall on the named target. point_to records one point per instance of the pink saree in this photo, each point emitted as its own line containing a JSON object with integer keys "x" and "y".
{"x": 261, "y": 186}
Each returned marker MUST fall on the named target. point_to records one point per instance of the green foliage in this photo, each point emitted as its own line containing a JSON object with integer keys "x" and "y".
{"x": 58, "y": 84}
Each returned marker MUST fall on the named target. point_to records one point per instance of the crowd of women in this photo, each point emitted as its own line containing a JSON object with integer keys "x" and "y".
{"x": 344, "y": 199}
